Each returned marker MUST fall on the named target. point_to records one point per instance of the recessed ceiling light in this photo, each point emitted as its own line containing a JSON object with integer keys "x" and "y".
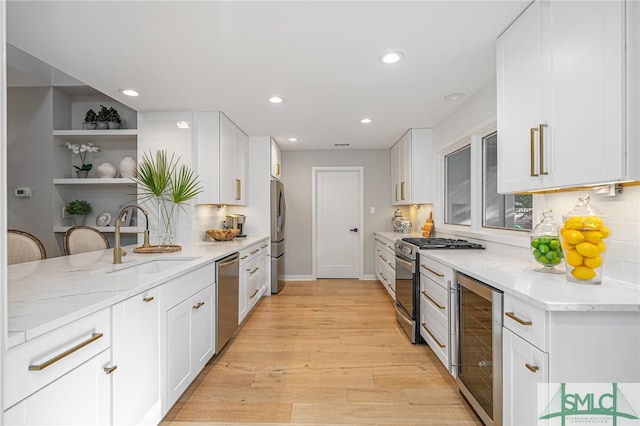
{"x": 293, "y": 139}
{"x": 391, "y": 57}
{"x": 182, "y": 125}
{"x": 129, "y": 92}
{"x": 366, "y": 120}
{"x": 454, "y": 97}
{"x": 276, "y": 99}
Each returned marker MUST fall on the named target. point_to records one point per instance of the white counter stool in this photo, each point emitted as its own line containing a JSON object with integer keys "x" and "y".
{"x": 81, "y": 239}
{"x": 23, "y": 247}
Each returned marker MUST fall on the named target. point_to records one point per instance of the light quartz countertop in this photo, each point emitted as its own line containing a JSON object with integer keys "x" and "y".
{"x": 46, "y": 294}
{"x": 513, "y": 270}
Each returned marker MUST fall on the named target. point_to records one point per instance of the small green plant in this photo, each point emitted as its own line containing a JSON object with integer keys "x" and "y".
{"x": 113, "y": 116}
{"x": 81, "y": 207}
{"x": 103, "y": 114}
{"x": 90, "y": 116}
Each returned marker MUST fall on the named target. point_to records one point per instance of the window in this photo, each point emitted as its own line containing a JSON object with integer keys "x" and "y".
{"x": 501, "y": 211}
{"x": 458, "y": 187}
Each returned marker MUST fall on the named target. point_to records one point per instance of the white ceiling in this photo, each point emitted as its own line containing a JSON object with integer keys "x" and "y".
{"x": 231, "y": 56}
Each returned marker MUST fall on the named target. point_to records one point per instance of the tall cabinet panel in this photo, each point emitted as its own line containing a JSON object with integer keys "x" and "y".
{"x": 411, "y": 174}
{"x": 561, "y": 97}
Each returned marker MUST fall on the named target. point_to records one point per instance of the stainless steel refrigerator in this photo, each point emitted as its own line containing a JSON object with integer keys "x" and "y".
{"x": 278, "y": 218}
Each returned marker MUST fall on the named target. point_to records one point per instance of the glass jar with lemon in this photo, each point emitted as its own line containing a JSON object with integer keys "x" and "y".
{"x": 545, "y": 244}
{"x": 583, "y": 236}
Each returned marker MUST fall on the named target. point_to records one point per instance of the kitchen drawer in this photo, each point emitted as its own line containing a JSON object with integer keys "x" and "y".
{"x": 436, "y": 335}
{"x": 434, "y": 295}
{"x": 525, "y": 320}
{"x": 250, "y": 253}
{"x": 181, "y": 288}
{"x": 252, "y": 271}
{"x": 434, "y": 311}
{"x": 438, "y": 272}
{"x": 38, "y": 362}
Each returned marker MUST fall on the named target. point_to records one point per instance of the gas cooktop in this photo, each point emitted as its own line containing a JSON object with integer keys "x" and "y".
{"x": 441, "y": 243}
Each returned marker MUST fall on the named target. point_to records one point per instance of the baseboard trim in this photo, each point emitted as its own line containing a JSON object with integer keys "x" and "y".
{"x": 312, "y": 278}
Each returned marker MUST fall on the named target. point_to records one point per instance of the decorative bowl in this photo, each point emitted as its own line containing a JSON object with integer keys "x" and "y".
{"x": 223, "y": 234}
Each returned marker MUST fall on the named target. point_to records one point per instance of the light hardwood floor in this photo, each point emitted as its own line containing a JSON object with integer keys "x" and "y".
{"x": 327, "y": 352}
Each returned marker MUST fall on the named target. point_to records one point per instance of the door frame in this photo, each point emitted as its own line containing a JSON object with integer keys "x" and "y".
{"x": 314, "y": 229}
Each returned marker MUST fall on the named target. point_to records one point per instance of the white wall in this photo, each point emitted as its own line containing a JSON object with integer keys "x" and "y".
{"x": 296, "y": 176}
{"x": 3, "y": 197}
{"x": 30, "y": 148}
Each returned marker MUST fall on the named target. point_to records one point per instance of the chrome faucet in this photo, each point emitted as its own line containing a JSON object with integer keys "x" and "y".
{"x": 118, "y": 252}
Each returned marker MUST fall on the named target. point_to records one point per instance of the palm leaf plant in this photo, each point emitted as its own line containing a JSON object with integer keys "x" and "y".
{"x": 161, "y": 179}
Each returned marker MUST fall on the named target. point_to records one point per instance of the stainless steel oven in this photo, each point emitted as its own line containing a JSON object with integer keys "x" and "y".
{"x": 479, "y": 336}
{"x": 407, "y": 288}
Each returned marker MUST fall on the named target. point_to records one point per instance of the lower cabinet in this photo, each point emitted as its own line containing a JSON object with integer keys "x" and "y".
{"x": 253, "y": 278}
{"x": 61, "y": 377}
{"x": 190, "y": 341}
{"x": 135, "y": 350}
{"x": 384, "y": 264}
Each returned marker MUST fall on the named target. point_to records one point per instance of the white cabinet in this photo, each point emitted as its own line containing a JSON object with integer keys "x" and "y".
{"x": 135, "y": 351}
{"x": 436, "y": 313}
{"x": 553, "y": 347}
{"x": 104, "y": 194}
{"x": 384, "y": 264}
{"x": 189, "y": 325}
{"x": 276, "y": 160}
{"x": 61, "y": 377}
{"x": 253, "y": 278}
{"x": 411, "y": 171}
{"x": 220, "y": 159}
{"x": 561, "y": 97}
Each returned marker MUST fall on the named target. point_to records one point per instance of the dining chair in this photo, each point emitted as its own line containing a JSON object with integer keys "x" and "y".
{"x": 23, "y": 247}
{"x": 81, "y": 239}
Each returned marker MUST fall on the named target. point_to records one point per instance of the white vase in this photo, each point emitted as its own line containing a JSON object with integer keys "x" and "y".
{"x": 106, "y": 170}
{"x": 128, "y": 167}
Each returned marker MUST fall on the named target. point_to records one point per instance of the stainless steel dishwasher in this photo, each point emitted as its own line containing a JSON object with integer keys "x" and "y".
{"x": 227, "y": 287}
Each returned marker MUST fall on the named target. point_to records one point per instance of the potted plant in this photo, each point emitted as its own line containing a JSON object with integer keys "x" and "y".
{"x": 103, "y": 118}
{"x": 82, "y": 171}
{"x": 114, "y": 118}
{"x": 78, "y": 209}
{"x": 90, "y": 119}
{"x": 170, "y": 186}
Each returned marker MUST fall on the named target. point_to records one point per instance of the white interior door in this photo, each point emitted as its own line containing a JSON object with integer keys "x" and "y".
{"x": 338, "y": 222}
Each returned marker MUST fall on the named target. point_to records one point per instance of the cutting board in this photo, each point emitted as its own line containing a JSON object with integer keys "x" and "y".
{"x": 427, "y": 229}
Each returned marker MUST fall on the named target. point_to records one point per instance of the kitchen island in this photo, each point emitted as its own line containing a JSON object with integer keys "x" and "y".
{"x": 74, "y": 320}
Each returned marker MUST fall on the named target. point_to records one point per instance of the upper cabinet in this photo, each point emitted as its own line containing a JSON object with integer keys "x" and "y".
{"x": 561, "y": 97}
{"x": 411, "y": 174}
{"x": 276, "y": 155}
{"x": 220, "y": 157}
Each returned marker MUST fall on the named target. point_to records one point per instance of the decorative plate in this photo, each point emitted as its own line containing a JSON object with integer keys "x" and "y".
{"x": 103, "y": 219}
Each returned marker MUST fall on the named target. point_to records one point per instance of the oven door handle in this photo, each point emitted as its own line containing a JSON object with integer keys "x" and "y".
{"x": 404, "y": 262}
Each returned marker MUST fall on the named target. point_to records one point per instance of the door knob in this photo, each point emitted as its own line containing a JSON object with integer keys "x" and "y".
{"x": 353, "y": 229}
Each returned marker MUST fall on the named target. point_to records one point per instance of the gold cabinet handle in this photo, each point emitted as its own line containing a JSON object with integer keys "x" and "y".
{"x": 383, "y": 277}
{"x": 432, "y": 336}
{"x": 397, "y": 199}
{"x": 198, "y": 305}
{"x": 402, "y": 190}
{"x": 513, "y": 316}
{"x": 392, "y": 266}
{"x": 432, "y": 271}
{"x": 238, "y": 189}
{"x": 384, "y": 259}
{"x": 39, "y": 367}
{"x": 264, "y": 246}
{"x": 254, "y": 271}
{"x": 532, "y": 368}
{"x": 243, "y": 257}
{"x": 542, "y": 171}
{"x": 532, "y": 133}
{"x": 147, "y": 299}
{"x": 277, "y": 168}
{"x": 254, "y": 294}
{"x": 111, "y": 369}
{"x": 255, "y": 251}
{"x": 424, "y": 293}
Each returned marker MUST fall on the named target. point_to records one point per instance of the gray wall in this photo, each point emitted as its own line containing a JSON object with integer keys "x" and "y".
{"x": 296, "y": 175}
{"x": 30, "y": 164}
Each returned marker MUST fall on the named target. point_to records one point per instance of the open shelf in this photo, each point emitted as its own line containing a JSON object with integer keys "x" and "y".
{"x": 93, "y": 181}
{"x": 83, "y": 134}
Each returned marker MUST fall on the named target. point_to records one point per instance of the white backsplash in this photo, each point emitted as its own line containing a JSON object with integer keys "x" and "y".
{"x": 207, "y": 217}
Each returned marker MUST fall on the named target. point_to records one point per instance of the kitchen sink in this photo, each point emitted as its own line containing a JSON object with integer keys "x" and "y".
{"x": 152, "y": 266}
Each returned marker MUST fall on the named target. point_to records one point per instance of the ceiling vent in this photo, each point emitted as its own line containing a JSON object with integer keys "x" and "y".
{"x": 340, "y": 144}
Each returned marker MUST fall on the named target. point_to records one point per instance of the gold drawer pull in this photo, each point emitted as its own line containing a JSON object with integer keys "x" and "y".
{"x": 277, "y": 168}
{"x": 393, "y": 266}
{"x": 384, "y": 259}
{"x": 266, "y": 245}
{"x": 254, "y": 294}
{"x": 238, "y": 190}
{"x": 424, "y": 293}
{"x": 243, "y": 257}
{"x": 147, "y": 299}
{"x": 432, "y": 271}
{"x": 542, "y": 127}
{"x": 111, "y": 369}
{"x": 93, "y": 338}
{"x": 255, "y": 251}
{"x": 532, "y": 166}
{"x": 383, "y": 277}
{"x": 198, "y": 305}
{"x": 532, "y": 368}
{"x": 432, "y": 336}
{"x": 253, "y": 272}
{"x": 513, "y": 316}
